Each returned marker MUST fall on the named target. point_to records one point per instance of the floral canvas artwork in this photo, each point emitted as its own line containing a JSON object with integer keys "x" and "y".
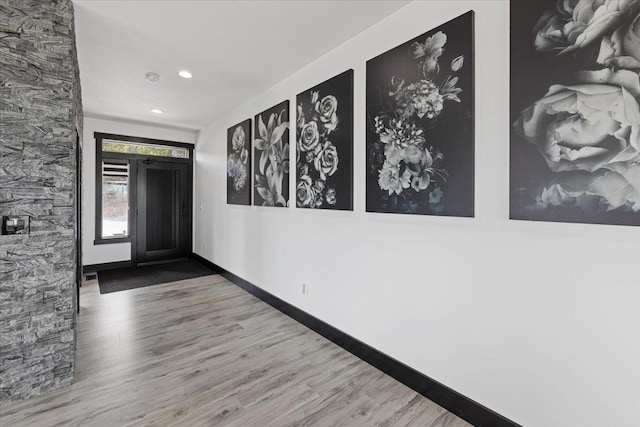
{"x": 239, "y": 164}
{"x": 420, "y": 124}
{"x": 575, "y": 116}
{"x": 271, "y": 157}
{"x": 324, "y": 145}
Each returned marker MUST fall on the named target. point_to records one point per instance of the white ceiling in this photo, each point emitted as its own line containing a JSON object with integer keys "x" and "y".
{"x": 235, "y": 50}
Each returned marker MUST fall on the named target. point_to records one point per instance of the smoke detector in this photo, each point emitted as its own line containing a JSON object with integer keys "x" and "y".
{"x": 152, "y": 77}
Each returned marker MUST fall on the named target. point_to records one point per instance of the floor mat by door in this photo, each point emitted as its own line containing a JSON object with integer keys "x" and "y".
{"x": 138, "y": 277}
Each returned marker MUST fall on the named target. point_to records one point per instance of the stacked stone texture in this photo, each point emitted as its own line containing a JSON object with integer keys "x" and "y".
{"x": 40, "y": 113}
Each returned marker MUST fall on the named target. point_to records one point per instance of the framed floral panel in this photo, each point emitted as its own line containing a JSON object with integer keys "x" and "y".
{"x": 420, "y": 124}
{"x": 324, "y": 145}
{"x": 575, "y": 115}
{"x": 239, "y": 164}
{"x": 271, "y": 157}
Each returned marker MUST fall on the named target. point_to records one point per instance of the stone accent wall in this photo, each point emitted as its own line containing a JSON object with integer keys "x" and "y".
{"x": 40, "y": 113}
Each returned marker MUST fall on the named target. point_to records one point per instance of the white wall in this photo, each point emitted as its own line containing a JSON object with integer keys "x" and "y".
{"x": 537, "y": 321}
{"x": 100, "y": 254}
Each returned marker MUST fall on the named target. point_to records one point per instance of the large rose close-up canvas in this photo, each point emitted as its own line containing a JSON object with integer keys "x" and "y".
{"x": 239, "y": 164}
{"x": 271, "y": 156}
{"x": 575, "y": 114}
{"x": 420, "y": 124}
{"x": 324, "y": 145}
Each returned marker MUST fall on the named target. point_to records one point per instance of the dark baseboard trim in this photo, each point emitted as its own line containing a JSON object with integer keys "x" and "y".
{"x": 208, "y": 263}
{"x": 467, "y": 409}
{"x": 93, "y": 268}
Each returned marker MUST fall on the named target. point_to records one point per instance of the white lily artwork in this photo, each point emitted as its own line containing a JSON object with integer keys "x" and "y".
{"x": 271, "y": 157}
{"x": 575, "y": 94}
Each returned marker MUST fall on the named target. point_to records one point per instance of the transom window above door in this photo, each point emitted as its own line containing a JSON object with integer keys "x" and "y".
{"x": 110, "y": 146}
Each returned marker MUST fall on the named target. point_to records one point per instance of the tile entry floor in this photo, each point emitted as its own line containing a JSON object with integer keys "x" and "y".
{"x": 203, "y": 352}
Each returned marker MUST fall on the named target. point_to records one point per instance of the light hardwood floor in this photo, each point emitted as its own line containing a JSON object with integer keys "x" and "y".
{"x": 205, "y": 352}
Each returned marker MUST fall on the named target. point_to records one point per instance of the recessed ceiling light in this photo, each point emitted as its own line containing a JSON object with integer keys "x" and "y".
{"x": 152, "y": 77}
{"x": 185, "y": 74}
{"x": 156, "y": 111}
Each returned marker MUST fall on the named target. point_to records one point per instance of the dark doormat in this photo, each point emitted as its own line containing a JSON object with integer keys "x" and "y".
{"x": 139, "y": 277}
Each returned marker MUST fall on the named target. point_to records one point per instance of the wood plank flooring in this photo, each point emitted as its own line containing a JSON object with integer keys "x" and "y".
{"x": 203, "y": 352}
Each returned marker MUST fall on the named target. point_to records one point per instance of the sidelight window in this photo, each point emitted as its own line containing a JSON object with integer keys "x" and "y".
{"x": 115, "y": 199}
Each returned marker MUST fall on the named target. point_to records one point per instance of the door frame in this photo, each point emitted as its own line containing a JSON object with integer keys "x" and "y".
{"x": 78, "y": 224}
{"x": 133, "y": 185}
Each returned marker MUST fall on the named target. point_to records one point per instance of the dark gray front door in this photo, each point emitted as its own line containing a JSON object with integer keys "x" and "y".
{"x": 164, "y": 211}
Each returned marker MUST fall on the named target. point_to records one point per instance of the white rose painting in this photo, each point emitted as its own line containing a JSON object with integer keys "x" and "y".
{"x": 271, "y": 156}
{"x": 324, "y": 145}
{"x": 420, "y": 124}
{"x": 575, "y": 111}
{"x": 239, "y": 164}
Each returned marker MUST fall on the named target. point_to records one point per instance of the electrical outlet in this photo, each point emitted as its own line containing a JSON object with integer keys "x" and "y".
{"x": 305, "y": 289}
